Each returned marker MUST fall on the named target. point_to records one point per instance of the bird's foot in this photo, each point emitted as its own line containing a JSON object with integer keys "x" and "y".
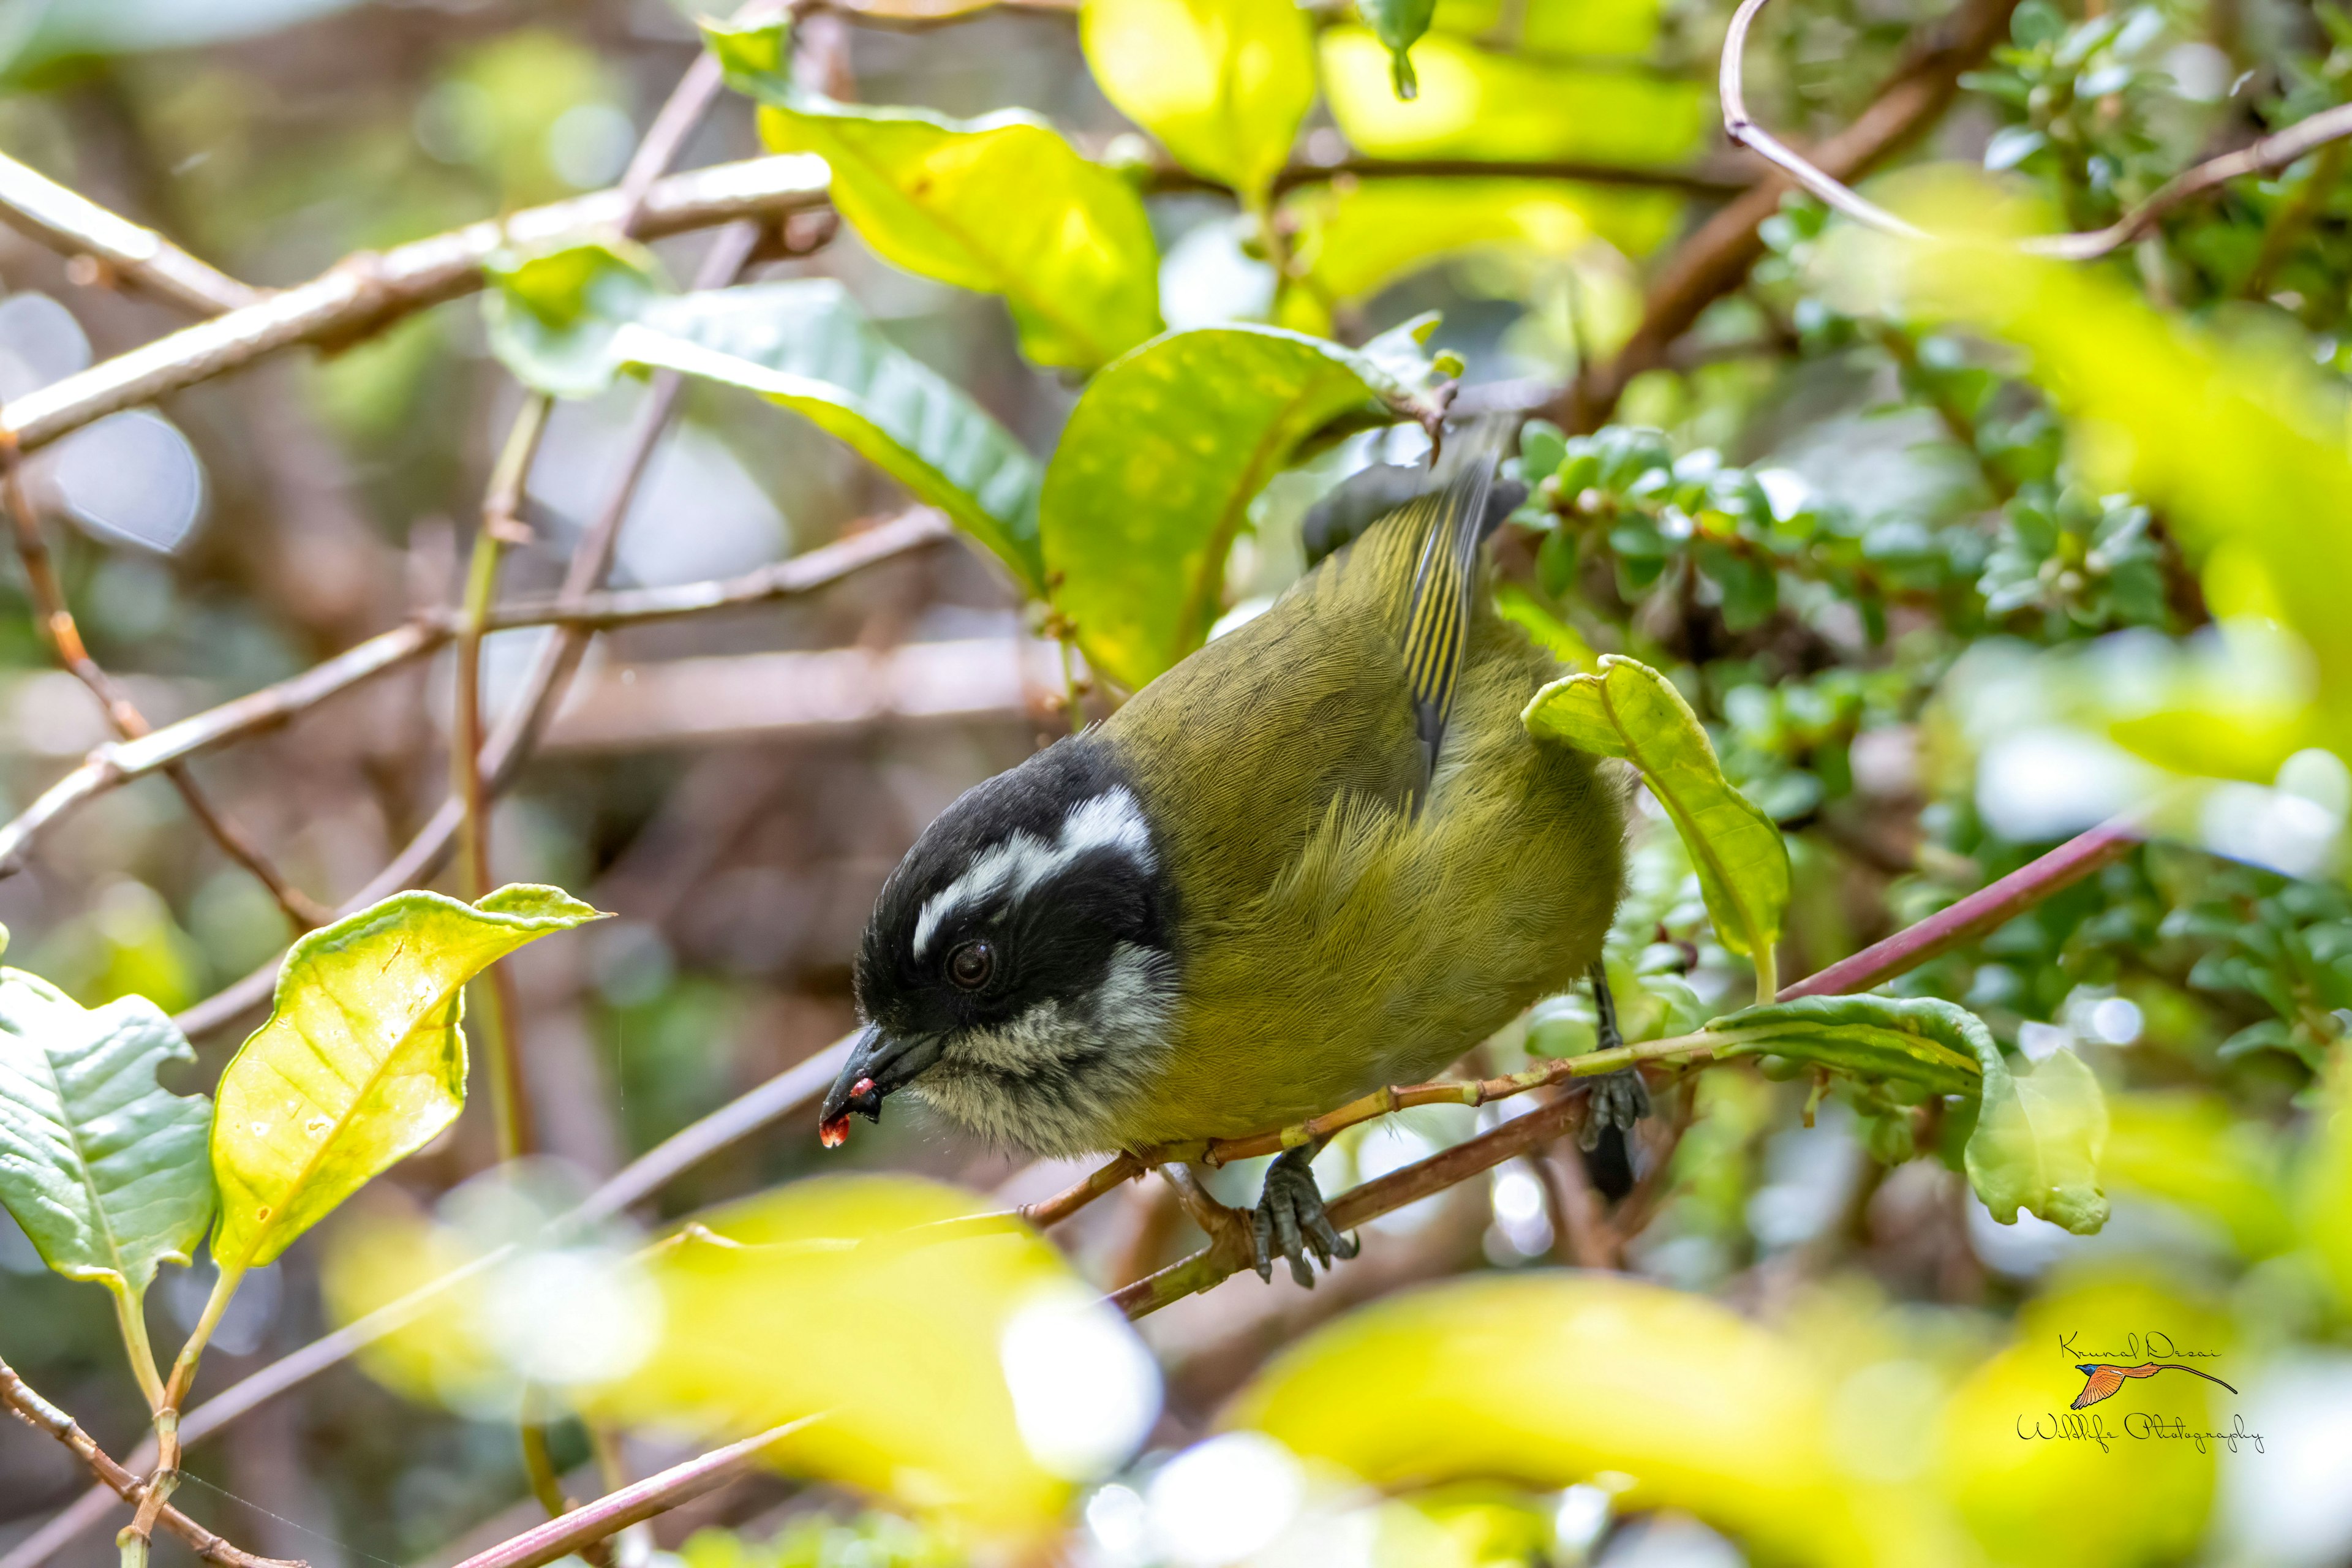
{"x": 1290, "y": 1221}
{"x": 1618, "y": 1100}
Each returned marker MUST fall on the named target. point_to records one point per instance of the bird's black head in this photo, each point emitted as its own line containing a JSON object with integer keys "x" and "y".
{"x": 1020, "y": 966}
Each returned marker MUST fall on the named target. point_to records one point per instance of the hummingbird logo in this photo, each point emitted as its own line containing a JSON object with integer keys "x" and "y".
{"x": 2101, "y": 1379}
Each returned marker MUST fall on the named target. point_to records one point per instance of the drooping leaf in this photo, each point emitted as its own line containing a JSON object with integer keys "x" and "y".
{"x": 2039, "y": 1134}
{"x": 960, "y": 1371}
{"x": 1352, "y": 240}
{"x": 362, "y": 1061}
{"x": 1157, "y": 467}
{"x": 1627, "y": 709}
{"x": 552, "y": 312}
{"x": 103, "y": 1169}
{"x": 1000, "y": 204}
{"x": 1221, "y": 83}
{"x": 1919, "y": 1040}
{"x": 1398, "y": 25}
{"x": 1551, "y": 1379}
{"x": 805, "y": 345}
{"x": 1476, "y": 103}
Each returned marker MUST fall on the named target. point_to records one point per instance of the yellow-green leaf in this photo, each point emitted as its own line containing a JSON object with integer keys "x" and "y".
{"x": 1558, "y": 27}
{"x": 2326, "y": 1207}
{"x": 1398, "y": 25}
{"x": 1157, "y": 467}
{"x": 1355, "y": 238}
{"x": 1000, "y": 204}
{"x": 1552, "y": 1379}
{"x": 362, "y": 1061}
{"x": 2039, "y": 1134}
{"x": 961, "y": 1370}
{"x": 1627, "y": 709}
{"x": 1475, "y": 103}
{"x": 103, "y": 1169}
{"x": 551, "y": 313}
{"x": 1221, "y": 83}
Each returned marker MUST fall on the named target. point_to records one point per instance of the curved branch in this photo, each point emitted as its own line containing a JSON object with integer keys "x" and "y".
{"x": 2272, "y": 153}
{"x": 362, "y": 294}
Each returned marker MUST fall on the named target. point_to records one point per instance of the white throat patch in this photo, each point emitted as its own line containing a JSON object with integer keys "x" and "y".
{"x": 1112, "y": 820}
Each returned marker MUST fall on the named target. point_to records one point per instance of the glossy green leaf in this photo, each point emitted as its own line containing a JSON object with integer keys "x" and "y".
{"x": 1221, "y": 83}
{"x": 1398, "y": 25}
{"x": 551, "y": 313}
{"x": 1157, "y": 467}
{"x": 362, "y": 1061}
{"x": 1627, "y": 709}
{"x": 1477, "y": 104}
{"x": 1000, "y": 204}
{"x": 805, "y": 345}
{"x": 1552, "y": 1379}
{"x": 103, "y": 1169}
{"x": 1919, "y": 1040}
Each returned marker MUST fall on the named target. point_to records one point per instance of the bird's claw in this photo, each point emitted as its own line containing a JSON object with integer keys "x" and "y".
{"x": 1618, "y": 1100}
{"x": 1290, "y": 1221}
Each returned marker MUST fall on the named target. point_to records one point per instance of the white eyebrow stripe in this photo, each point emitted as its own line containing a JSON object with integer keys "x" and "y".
{"x": 1112, "y": 820}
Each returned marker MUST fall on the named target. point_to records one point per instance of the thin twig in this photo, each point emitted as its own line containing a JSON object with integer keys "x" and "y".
{"x": 116, "y": 763}
{"x": 363, "y": 293}
{"x": 2274, "y": 151}
{"x": 54, "y": 618}
{"x": 42, "y": 1415}
{"x": 73, "y": 225}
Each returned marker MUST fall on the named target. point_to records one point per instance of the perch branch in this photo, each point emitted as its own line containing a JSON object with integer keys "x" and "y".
{"x": 2274, "y": 151}
{"x": 42, "y": 1415}
{"x": 363, "y": 293}
{"x": 73, "y": 225}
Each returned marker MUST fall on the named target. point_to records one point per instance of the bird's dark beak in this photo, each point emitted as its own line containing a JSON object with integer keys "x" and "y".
{"x": 878, "y": 1065}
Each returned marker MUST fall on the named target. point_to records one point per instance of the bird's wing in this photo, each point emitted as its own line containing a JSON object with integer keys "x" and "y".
{"x": 1449, "y": 523}
{"x": 2102, "y": 1382}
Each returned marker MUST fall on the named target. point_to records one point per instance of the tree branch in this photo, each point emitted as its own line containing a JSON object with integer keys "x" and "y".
{"x": 73, "y": 225}
{"x": 362, "y": 294}
{"x": 1712, "y": 262}
{"x": 2274, "y": 151}
{"x": 119, "y": 762}
{"x": 42, "y": 1415}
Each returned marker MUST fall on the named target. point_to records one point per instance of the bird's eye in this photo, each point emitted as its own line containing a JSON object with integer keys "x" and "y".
{"x": 970, "y": 965}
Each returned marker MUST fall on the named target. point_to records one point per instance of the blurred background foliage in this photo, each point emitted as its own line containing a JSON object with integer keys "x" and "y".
{"x": 1954, "y": 552}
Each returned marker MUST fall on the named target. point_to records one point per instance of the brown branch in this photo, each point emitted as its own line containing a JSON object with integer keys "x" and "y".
{"x": 1712, "y": 262}
{"x": 42, "y": 1415}
{"x": 117, "y": 764}
{"x": 54, "y": 617}
{"x": 75, "y": 226}
{"x": 362, "y": 294}
{"x": 609, "y": 1515}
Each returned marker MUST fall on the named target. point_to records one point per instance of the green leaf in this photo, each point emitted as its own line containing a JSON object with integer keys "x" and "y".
{"x": 2039, "y": 1134}
{"x": 1627, "y": 709}
{"x": 805, "y": 345}
{"x": 1157, "y": 467}
{"x": 551, "y": 313}
{"x": 1398, "y": 25}
{"x": 362, "y": 1061}
{"x": 1000, "y": 204}
{"x": 1221, "y": 83}
{"x": 103, "y": 1169}
{"x": 1935, "y": 1044}
{"x": 1477, "y": 103}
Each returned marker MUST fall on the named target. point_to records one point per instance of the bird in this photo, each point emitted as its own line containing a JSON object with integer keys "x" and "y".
{"x": 2101, "y": 1379}
{"x": 1319, "y": 854}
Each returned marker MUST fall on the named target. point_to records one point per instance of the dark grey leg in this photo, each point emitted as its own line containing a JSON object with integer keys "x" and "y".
{"x": 1289, "y": 1221}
